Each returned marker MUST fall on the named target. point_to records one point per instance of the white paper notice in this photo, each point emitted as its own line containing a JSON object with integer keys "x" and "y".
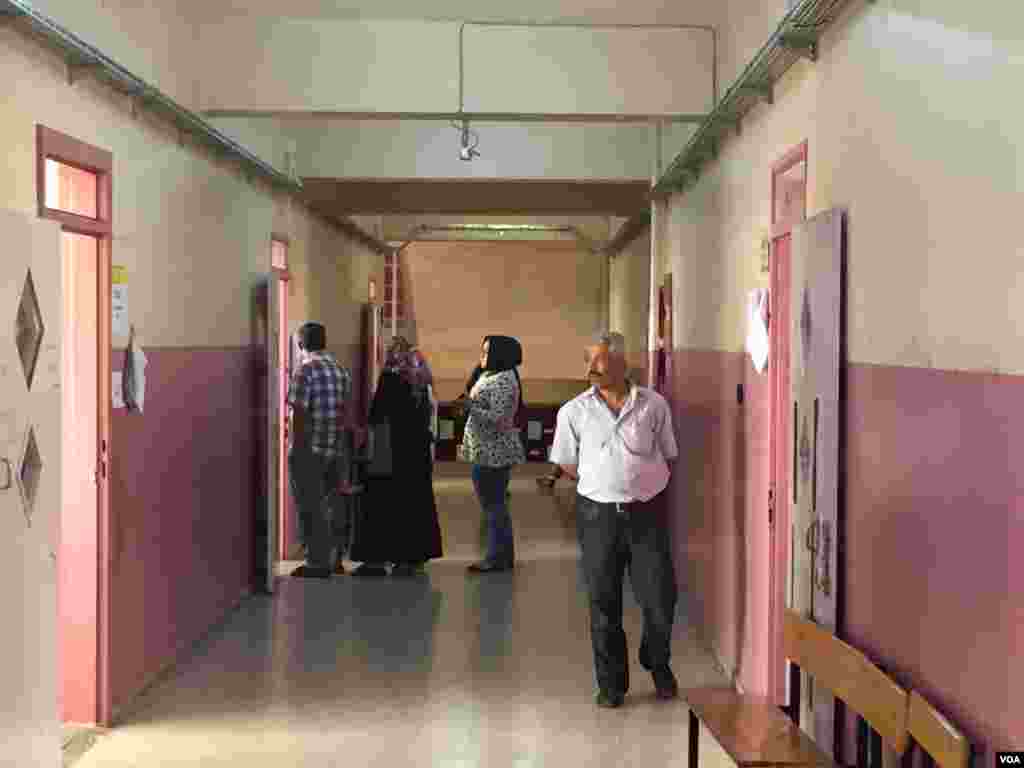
{"x": 120, "y": 326}
{"x": 757, "y": 331}
{"x": 446, "y": 429}
{"x": 117, "y": 390}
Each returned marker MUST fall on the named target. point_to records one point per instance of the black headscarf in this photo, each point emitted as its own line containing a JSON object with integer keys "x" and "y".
{"x": 505, "y": 353}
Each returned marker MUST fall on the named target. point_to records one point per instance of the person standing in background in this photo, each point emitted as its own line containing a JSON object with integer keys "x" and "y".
{"x": 319, "y": 396}
{"x": 492, "y": 444}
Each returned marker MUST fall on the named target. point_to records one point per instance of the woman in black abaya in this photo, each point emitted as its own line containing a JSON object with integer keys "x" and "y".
{"x": 399, "y": 522}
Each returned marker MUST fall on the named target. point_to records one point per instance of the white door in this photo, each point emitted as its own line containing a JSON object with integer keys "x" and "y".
{"x": 816, "y": 345}
{"x": 31, "y": 314}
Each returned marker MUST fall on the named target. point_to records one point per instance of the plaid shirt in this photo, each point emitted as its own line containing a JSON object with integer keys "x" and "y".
{"x": 321, "y": 387}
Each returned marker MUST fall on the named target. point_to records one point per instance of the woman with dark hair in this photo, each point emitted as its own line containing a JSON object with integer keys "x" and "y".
{"x": 492, "y": 444}
{"x": 399, "y": 523}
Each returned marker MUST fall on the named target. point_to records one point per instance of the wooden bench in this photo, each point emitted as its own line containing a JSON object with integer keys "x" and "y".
{"x": 942, "y": 743}
{"x": 756, "y": 734}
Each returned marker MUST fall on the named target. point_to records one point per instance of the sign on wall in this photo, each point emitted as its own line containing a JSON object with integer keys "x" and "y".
{"x": 120, "y": 325}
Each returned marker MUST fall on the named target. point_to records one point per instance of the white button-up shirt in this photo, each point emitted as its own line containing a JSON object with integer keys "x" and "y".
{"x": 619, "y": 459}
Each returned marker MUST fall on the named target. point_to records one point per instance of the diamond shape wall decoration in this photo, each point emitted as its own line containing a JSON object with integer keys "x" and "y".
{"x": 28, "y": 474}
{"x": 29, "y": 329}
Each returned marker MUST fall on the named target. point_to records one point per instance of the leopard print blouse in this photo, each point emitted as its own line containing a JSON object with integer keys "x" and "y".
{"x": 489, "y": 438}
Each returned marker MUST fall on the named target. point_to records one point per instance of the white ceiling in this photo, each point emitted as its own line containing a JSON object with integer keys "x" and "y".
{"x": 580, "y": 11}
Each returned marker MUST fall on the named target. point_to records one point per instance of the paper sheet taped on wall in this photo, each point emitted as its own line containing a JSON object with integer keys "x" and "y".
{"x": 119, "y": 301}
{"x": 757, "y": 328}
{"x": 446, "y": 429}
{"x": 116, "y": 390}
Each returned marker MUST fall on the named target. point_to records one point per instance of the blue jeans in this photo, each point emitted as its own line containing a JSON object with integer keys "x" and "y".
{"x": 491, "y": 486}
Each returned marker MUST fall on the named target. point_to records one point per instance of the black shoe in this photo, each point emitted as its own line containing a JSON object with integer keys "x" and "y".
{"x": 485, "y": 566}
{"x": 407, "y": 569}
{"x": 665, "y": 683}
{"x": 309, "y": 572}
{"x": 609, "y": 699}
{"x": 370, "y": 569}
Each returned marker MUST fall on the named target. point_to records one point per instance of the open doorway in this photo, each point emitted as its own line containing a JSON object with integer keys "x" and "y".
{"x": 281, "y": 354}
{"x": 75, "y": 188}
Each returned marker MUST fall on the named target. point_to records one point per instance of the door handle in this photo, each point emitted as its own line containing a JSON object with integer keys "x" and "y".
{"x": 811, "y": 542}
{"x": 811, "y": 538}
{"x": 8, "y": 475}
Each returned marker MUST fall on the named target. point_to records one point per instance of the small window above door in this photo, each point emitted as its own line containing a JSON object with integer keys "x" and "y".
{"x": 279, "y": 254}
{"x": 71, "y": 190}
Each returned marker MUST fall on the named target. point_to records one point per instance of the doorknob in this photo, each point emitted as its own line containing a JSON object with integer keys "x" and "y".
{"x": 8, "y": 475}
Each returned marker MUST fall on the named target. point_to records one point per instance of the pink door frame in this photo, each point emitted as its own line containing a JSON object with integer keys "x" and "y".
{"x": 783, "y": 222}
{"x": 90, "y": 650}
{"x": 279, "y": 270}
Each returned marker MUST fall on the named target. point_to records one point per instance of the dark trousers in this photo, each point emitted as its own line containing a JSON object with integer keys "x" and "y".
{"x": 313, "y": 478}
{"x": 491, "y": 485}
{"x": 612, "y": 537}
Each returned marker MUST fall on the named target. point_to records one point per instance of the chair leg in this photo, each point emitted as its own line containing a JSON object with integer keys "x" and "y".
{"x": 694, "y": 739}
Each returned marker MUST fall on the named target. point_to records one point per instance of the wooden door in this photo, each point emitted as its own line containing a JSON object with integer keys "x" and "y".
{"x": 816, "y": 306}
{"x": 30, "y": 486}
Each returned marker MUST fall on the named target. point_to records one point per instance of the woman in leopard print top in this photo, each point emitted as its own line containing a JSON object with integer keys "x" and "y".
{"x": 492, "y": 443}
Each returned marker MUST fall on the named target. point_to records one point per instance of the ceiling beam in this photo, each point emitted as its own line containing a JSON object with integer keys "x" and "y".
{"x": 541, "y": 197}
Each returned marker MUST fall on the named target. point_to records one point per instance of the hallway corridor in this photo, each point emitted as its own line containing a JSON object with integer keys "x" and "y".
{"x": 440, "y": 670}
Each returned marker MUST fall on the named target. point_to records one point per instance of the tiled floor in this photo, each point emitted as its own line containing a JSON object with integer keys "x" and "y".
{"x": 441, "y": 670}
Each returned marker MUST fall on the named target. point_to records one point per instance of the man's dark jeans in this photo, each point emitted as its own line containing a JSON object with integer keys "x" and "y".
{"x": 312, "y": 478}
{"x": 613, "y": 537}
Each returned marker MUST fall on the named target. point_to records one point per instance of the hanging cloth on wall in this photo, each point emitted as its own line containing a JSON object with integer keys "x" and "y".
{"x": 133, "y": 375}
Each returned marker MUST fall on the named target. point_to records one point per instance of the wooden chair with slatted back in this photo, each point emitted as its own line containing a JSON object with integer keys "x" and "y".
{"x": 942, "y": 744}
{"x": 879, "y": 703}
{"x": 756, "y": 734}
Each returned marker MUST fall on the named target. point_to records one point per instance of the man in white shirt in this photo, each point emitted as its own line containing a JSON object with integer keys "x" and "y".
{"x": 617, "y": 440}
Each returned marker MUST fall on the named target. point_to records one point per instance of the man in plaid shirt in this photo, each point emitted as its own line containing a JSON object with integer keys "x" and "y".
{"x": 320, "y": 396}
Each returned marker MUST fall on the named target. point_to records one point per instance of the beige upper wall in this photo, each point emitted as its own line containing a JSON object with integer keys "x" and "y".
{"x": 909, "y": 130}
{"x": 330, "y": 282}
{"x": 630, "y": 279}
{"x": 152, "y": 40}
{"x": 551, "y": 296}
{"x": 192, "y": 232}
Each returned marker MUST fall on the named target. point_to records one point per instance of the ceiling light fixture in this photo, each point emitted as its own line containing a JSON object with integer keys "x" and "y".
{"x": 469, "y": 140}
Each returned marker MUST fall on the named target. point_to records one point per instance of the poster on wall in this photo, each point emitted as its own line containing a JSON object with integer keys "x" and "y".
{"x": 119, "y": 325}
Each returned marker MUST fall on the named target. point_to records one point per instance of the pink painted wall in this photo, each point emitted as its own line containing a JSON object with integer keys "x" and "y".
{"x": 934, "y": 520}
{"x": 183, "y": 504}
{"x": 720, "y": 492}
{"x": 934, "y": 535}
